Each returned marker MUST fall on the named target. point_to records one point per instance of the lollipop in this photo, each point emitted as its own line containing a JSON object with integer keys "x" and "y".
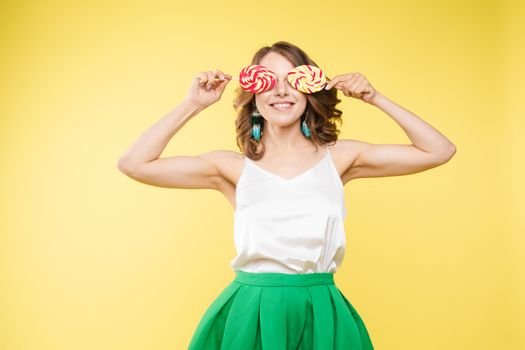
{"x": 307, "y": 78}
{"x": 256, "y": 79}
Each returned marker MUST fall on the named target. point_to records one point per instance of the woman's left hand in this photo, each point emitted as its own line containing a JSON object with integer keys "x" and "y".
{"x": 353, "y": 85}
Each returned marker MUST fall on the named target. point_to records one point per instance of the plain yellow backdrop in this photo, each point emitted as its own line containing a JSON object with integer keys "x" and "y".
{"x": 91, "y": 259}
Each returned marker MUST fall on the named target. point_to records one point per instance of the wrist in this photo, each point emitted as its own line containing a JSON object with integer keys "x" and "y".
{"x": 192, "y": 106}
{"x": 376, "y": 99}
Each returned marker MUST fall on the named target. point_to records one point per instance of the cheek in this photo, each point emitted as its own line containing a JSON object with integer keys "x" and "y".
{"x": 302, "y": 100}
{"x": 258, "y": 100}
{"x": 299, "y": 96}
{"x": 302, "y": 109}
{"x": 262, "y": 99}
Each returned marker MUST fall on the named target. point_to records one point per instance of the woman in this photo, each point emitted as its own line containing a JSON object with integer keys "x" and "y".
{"x": 288, "y": 200}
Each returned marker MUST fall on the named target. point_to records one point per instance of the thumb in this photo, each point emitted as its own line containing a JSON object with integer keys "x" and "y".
{"x": 222, "y": 84}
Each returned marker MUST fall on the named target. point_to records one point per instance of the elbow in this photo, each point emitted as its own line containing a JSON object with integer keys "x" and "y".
{"x": 123, "y": 166}
{"x": 447, "y": 155}
{"x": 451, "y": 150}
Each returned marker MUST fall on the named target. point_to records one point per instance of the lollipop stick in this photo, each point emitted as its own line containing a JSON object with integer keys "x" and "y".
{"x": 230, "y": 79}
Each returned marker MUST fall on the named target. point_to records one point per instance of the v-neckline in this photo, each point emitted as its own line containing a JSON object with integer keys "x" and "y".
{"x": 327, "y": 153}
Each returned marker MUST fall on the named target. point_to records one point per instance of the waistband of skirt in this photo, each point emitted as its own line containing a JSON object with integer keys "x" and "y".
{"x": 283, "y": 279}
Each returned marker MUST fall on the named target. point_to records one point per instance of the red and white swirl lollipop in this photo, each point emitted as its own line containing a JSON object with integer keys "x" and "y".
{"x": 256, "y": 78}
{"x": 307, "y": 78}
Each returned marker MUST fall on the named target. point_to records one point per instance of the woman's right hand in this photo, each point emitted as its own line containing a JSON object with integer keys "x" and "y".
{"x": 205, "y": 90}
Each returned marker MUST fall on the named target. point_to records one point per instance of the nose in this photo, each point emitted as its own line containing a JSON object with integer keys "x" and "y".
{"x": 281, "y": 86}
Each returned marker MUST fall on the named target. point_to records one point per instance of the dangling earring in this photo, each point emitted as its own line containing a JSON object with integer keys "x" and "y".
{"x": 305, "y": 129}
{"x": 256, "y": 119}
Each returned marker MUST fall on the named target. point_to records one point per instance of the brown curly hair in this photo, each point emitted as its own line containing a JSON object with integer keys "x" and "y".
{"x": 320, "y": 111}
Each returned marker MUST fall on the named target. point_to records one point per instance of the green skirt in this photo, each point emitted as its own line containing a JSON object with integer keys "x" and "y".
{"x": 279, "y": 311}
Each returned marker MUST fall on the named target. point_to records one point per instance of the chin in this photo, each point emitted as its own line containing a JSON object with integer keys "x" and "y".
{"x": 283, "y": 119}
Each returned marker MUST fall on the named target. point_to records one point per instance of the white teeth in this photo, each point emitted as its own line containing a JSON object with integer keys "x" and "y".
{"x": 282, "y": 105}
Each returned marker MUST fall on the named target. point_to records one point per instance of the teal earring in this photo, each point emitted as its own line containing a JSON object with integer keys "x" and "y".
{"x": 305, "y": 129}
{"x": 256, "y": 119}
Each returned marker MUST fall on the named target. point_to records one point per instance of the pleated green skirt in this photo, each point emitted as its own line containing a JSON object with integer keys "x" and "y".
{"x": 278, "y": 311}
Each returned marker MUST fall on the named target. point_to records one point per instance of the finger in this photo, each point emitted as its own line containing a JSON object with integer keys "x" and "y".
{"x": 338, "y": 80}
{"x": 214, "y": 80}
{"x": 225, "y": 77}
{"x": 211, "y": 80}
{"x": 222, "y": 85}
{"x": 366, "y": 91}
{"x": 361, "y": 87}
{"x": 354, "y": 92}
{"x": 334, "y": 81}
{"x": 202, "y": 78}
{"x": 219, "y": 74}
{"x": 346, "y": 90}
{"x": 220, "y": 80}
{"x": 347, "y": 87}
{"x": 217, "y": 79}
{"x": 356, "y": 83}
{"x": 339, "y": 85}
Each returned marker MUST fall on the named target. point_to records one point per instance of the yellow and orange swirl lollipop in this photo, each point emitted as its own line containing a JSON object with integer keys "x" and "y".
{"x": 257, "y": 79}
{"x": 307, "y": 78}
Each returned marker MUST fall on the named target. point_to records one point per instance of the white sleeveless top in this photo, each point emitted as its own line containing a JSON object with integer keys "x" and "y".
{"x": 289, "y": 225}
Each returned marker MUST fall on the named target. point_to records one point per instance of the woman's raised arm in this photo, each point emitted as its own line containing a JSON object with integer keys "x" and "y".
{"x": 141, "y": 160}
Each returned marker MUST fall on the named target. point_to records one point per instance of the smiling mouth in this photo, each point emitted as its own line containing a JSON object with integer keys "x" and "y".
{"x": 282, "y": 106}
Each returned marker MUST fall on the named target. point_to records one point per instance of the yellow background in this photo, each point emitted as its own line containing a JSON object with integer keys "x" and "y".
{"x": 91, "y": 259}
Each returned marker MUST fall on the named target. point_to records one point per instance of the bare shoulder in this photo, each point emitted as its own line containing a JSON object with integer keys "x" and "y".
{"x": 221, "y": 155}
{"x": 349, "y": 145}
{"x": 229, "y": 164}
{"x": 344, "y": 153}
